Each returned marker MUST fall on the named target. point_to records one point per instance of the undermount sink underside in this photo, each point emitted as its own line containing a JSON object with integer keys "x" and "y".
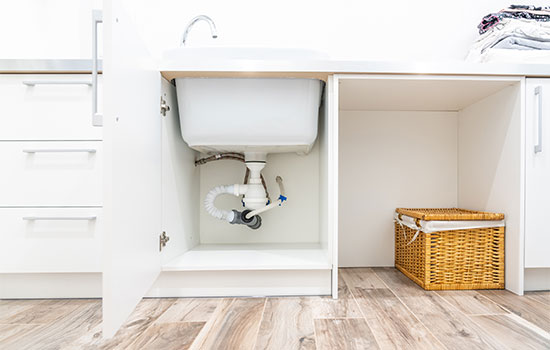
{"x": 249, "y": 115}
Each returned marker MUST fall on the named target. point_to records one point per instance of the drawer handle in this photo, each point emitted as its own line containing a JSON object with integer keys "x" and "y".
{"x": 97, "y": 118}
{"x": 57, "y": 82}
{"x": 87, "y": 150}
{"x": 538, "y": 96}
{"x": 35, "y": 218}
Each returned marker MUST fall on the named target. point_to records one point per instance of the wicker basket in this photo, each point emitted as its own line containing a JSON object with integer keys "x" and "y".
{"x": 457, "y": 257}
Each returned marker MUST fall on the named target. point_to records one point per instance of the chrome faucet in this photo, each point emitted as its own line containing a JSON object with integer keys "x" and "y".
{"x": 195, "y": 20}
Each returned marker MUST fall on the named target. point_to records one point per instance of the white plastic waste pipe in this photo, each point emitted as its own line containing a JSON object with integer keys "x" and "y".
{"x": 266, "y": 208}
{"x": 277, "y": 203}
{"x": 222, "y": 214}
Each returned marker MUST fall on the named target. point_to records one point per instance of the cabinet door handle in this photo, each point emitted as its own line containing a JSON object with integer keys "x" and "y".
{"x": 57, "y": 82}
{"x": 59, "y": 218}
{"x": 70, "y": 150}
{"x": 538, "y": 97}
{"x": 97, "y": 17}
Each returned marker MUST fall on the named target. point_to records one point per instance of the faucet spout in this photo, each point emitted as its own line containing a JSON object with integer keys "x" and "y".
{"x": 205, "y": 18}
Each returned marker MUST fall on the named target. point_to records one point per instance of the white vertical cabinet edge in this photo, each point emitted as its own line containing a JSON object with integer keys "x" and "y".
{"x": 519, "y": 286}
{"x": 332, "y": 86}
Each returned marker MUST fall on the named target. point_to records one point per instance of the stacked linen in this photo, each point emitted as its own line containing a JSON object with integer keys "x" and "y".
{"x": 517, "y": 34}
{"x": 516, "y": 12}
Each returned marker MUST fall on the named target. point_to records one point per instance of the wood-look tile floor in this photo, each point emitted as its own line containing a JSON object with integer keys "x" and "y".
{"x": 378, "y": 308}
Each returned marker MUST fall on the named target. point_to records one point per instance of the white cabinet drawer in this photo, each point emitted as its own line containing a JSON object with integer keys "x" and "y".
{"x": 50, "y": 240}
{"x": 55, "y": 174}
{"x": 56, "y": 107}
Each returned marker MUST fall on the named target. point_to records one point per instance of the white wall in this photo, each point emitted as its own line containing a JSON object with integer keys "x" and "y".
{"x": 390, "y": 160}
{"x": 346, "y": 29}
{"x": 46, "y": 29}
{"x": 297, "y": 221}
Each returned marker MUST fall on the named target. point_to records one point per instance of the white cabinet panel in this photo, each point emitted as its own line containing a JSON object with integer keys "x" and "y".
{"x": 132, "y": 140}
{"x": 47, "y": 107}
{"x": 66, "y": 173}
{"x": 50, "y": 240}
{"x": 537, "y": 204}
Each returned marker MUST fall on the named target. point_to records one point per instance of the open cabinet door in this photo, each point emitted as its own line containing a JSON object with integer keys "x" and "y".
{"x": 132, "y": 141}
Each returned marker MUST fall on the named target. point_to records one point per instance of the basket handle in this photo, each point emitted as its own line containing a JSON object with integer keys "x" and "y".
{"x": 416, "y": 222}
{"x": 399, "y": 220}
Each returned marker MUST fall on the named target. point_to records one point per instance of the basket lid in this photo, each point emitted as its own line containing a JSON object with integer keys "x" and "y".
{"x": 447, "y": 214}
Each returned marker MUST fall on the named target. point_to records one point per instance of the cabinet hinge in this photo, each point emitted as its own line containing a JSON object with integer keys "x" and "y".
{"x": 164, "y": 107}
{"x": 163, "y": 239}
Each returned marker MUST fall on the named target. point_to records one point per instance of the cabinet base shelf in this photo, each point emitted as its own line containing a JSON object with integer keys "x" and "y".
{"x": 238, "y": 257}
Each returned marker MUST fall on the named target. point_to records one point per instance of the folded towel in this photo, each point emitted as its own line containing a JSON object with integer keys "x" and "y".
{"x": 521, "y": 43}
{"x": 509, "y": 27}
{"x": 519, "y": 28}
{"x": 515, "y": 56}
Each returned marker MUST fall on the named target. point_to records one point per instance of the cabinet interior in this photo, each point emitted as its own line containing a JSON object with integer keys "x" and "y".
{"x": 404, "y": 141}
{"x": 426, "y": 142}
{"x": 292, "y": 237}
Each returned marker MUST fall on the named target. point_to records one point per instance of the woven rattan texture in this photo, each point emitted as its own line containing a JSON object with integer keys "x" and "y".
{"x": 457, "y": 259}
{"x": 446, "y": 214}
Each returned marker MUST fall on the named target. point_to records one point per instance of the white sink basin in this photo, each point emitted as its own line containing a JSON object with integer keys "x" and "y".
{"x": 270, "y": 115}
{"x": 242, "y": 53}
{"x": 264, "y": 115}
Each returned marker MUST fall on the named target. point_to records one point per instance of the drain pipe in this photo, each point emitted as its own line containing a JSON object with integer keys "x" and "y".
{"x": 231, "y": 216}
{"x": 254, "y": 191}
{"x": 277, "y": 203}
{"x": 240, "y": 218}
{"x": 211, "y": 197}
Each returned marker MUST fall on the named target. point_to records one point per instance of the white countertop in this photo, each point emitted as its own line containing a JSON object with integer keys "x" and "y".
{"x": 360, "y": 67}
{"x": 325, "y": 67}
